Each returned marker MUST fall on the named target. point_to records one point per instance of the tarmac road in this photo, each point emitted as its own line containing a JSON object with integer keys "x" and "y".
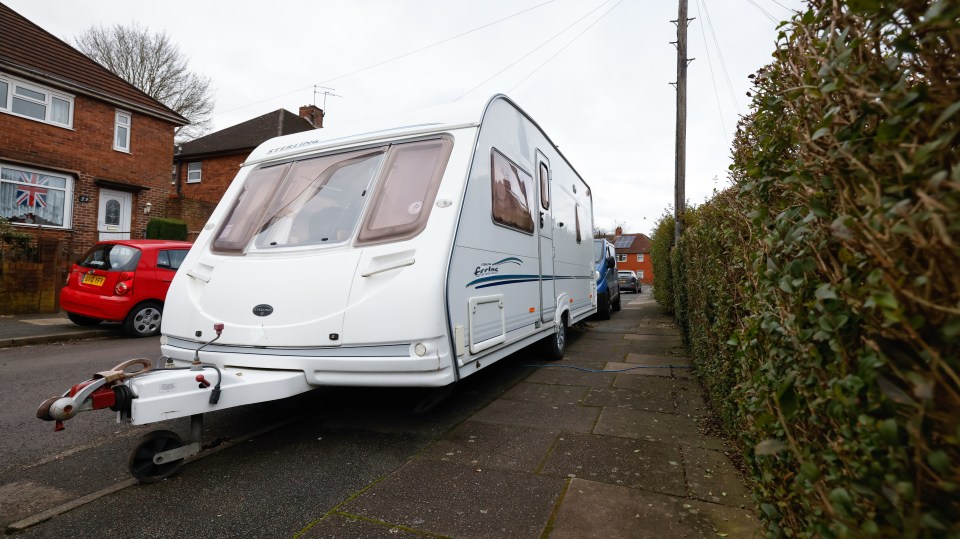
{"x": 273, "y": 485}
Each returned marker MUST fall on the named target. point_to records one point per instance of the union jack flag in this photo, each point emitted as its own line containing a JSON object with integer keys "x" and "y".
{"x": 29, "y": 192}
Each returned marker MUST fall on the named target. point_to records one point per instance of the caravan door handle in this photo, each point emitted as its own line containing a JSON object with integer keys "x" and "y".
{"x": 541, "y": 220}
{"x": 392, "y": 266}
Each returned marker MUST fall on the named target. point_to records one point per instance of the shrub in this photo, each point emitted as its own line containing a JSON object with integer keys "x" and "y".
{"x": 820, "y": 293}
{"x": 660, "y": 245}
{"x": 161, "y": 228}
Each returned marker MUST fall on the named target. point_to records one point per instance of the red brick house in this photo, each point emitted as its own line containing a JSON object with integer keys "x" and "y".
{"x": 204, "y": 167}
{"x": 84, "y": 155}
{"x": 633, "y": 253}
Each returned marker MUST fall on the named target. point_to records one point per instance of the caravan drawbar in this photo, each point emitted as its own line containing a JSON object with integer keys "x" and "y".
{"x": 410, "y": 252}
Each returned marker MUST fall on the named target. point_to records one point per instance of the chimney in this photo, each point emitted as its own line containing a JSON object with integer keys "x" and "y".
{"x": 313, "y": 115}
{"x": 619, "y": 231}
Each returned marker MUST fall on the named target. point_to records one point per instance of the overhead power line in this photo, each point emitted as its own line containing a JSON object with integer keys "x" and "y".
{"x": 565, "y": 46}
{"x": 723, "y": 64}
{"x": 713, "y": 77}
{"x": 394, "y": 58}
{"x": 535, "y": 49}
{"x": 765, "y": 12}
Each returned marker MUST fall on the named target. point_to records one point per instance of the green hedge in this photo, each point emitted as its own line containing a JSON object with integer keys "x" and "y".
{"x": 161, "y": 228}
{"x": 820, "y": 293}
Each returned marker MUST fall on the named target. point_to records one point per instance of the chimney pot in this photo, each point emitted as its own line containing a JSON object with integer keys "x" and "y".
{"x": 619, "y": 231}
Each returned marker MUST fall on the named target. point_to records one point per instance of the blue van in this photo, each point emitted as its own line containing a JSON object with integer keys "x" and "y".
{"x": 608, "y": 287}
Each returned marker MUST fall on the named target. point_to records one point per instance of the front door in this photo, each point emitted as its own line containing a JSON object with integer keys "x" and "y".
{"x": 113, "y": 219}
{"x": 548, "y": 298}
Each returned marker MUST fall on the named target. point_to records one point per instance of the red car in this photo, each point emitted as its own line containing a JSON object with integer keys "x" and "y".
{"x": 123, "y": 281}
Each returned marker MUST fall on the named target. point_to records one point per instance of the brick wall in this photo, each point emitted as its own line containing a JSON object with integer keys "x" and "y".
{"x": 216, "y": 175}
{"x": 194, "y": 212}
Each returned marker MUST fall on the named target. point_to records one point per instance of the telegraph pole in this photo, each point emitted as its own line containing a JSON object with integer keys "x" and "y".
{"x": 679, "y": 203}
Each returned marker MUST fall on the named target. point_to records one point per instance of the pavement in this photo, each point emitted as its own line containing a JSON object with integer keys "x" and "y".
{"x": 22, "y": 330}
{"x": 613, "y": 441}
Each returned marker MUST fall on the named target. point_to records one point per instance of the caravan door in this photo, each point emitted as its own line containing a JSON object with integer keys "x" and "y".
{"x": 548, "y": 298}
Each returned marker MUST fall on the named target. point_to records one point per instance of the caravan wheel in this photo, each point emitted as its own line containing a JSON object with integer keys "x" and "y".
{"x": 556, "y": 344}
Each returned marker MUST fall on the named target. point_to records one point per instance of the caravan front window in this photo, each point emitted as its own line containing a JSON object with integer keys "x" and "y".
{"x": 405, "y": 194}
{"x": 311, "y": 202}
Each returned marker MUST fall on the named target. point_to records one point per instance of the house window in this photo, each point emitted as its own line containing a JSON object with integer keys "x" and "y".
{"x": 121, "y": 132}
{"x": 640, "y": 257}
{"x": 35, "y": 197}
{"x": 35, "y": 102}
{"x": 512, "y": 194}
{"x": 193, "y": 171}
{"x": 640, "y": 275}
{"x": 621, "y": 258}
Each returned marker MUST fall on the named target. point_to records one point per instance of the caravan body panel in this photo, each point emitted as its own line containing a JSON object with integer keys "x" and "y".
{"x": 348, "y": 310}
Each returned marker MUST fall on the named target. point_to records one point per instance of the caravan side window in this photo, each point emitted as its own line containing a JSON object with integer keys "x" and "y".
{"x": 512, "y": 194}
{"x": 544, "y": 186}
{"x": 576, "y": 214}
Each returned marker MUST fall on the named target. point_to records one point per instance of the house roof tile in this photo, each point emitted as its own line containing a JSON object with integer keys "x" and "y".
{"x": 30, "y": 51}
{"x": 246, "y": 135}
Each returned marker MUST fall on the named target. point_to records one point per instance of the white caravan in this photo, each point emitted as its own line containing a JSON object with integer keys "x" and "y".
{"x": 411, "y": 253}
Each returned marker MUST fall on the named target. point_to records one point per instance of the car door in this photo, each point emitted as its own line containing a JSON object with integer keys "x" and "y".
{"x": 168, "y": 262}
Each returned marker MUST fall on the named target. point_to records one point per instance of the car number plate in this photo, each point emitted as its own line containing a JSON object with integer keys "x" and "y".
{"x": 95, "y": 280}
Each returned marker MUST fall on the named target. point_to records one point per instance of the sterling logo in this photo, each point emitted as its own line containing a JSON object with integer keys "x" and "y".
{"x": 263, "y": 310}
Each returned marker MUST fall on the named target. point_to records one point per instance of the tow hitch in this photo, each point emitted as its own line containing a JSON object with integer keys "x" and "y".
{"x": 177, "y": 388}
{"x": 104, "y": 390}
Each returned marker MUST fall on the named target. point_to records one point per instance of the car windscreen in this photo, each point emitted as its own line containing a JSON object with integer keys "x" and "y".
{"x": 597, "y": 251}
{"x": 111, "y": 257}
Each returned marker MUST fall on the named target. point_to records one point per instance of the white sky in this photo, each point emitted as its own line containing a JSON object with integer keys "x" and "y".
{"x": 605, "y": 99}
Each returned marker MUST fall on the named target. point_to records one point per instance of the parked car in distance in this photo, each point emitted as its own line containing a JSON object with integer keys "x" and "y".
{"x": 123, "y": 281}
{"x": 608, "y": 288}
{"x": 628, "y": 281}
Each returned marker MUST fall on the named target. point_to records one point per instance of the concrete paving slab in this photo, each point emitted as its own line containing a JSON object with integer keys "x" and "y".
{"x": 711, "y": 477}
{"x": 549, "y": 393}
{"x": 593, "y": 509}
{"x": 656, "y": 359}
{"x": 602, "y": 336}
{"x": 654, "y": 427}
{"x": 662, "y": 337}
{"x": 490, "y": 445}
{"x": 655, "y": 397}
{"x": 565, "y": 417}
{"x": 571, "y": 377}
{"x": 454, "y": 500}
{"x": 345, "y": 527}
{"x": 618, "y": 461}
{"x": 632, "y": 369}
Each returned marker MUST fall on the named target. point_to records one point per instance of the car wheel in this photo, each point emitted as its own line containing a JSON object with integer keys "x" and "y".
{"x": 83, "y": 320}
{"x": 616, "y": 303}
{"x": 557, "y": 343}
{"x": 144, "y": 319}
{"x": 603, "y": 306}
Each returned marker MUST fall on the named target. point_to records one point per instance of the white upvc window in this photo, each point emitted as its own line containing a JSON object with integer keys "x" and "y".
{"x": 39, "y": 103}
{"x": 621, "y": 258}
{"x": 640, "y": 274}
{"x": 35, "y": 197}
{"x": 194, "y": 171}
{"x": 121, "y": 131}
{"x": 640, "y": 257}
